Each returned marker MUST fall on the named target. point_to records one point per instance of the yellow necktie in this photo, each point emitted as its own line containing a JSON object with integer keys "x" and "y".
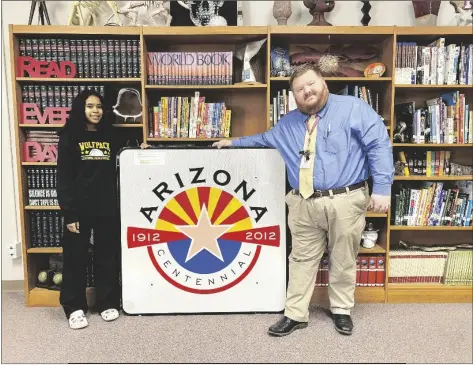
{"x": 306, "y": 175}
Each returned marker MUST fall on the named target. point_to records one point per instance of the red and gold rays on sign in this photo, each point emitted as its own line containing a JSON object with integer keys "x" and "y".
{"x": 185, "y": 209}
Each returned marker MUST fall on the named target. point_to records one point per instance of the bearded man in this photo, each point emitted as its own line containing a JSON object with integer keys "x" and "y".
{"x": 331, "y": 145}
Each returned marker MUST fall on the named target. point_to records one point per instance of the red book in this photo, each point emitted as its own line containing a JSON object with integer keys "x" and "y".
{"x": 372, "y": 271}
{"x": 380, "y": 271}
{"x": 357, "y": 271}
{"x": 364, "y": 271}
{"x": 325, "y": 272}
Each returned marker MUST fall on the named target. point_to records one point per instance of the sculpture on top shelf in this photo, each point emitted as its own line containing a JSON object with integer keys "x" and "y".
{"x": 463, "y": 15}
{"x": 426, "y": 12}
{"x": 204, "y": 13}
{"x": 282, "y": 11}
{"x": 77, "y": 18}
{"x": 153, "y": 9}
{"x": 317, "y": 8}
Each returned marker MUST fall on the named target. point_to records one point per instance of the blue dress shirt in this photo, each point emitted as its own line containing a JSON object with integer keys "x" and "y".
{"x": 352, "y": 143}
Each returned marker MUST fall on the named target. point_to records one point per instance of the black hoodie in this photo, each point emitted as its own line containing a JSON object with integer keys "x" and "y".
{"x": 86, "y": 175}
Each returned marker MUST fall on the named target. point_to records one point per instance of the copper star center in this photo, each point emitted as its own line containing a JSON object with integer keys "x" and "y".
{"x": 204, "y": 236}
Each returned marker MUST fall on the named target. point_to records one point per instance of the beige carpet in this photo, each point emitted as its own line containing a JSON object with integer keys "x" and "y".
{"x": 415, "y": 333}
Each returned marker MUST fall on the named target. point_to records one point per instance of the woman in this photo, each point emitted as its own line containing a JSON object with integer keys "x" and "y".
{"x": 86, "y": 186}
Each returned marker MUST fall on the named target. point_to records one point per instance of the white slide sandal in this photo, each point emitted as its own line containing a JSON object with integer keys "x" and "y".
{"x": 77, "y": 320}
{"x": 110, "y": 314}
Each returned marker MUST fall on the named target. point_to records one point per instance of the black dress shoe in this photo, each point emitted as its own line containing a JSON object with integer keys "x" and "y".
{"x": 343, "y": 323}
{"x": 285, "y": 326}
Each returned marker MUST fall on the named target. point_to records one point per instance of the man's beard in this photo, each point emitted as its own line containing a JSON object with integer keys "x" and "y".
{"x": 315, "y": 106}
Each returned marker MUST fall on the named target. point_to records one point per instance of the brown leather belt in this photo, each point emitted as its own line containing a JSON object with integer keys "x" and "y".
{"x": 321, "y": 193}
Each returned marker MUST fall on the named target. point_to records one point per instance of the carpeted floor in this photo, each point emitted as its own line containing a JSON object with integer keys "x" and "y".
{"x": 414, "y": 333}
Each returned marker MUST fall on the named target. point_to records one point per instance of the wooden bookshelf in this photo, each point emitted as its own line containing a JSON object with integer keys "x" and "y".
{"x": 250, "y": 106}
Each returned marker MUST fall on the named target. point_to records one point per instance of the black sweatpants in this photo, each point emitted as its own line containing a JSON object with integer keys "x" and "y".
{"x": 106, "y": 264}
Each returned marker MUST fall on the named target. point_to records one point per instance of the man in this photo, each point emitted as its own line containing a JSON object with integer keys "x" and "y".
{"x": 330, "y": 144}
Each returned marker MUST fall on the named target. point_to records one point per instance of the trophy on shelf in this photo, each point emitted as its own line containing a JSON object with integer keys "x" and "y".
{"x": 204, "y": 13}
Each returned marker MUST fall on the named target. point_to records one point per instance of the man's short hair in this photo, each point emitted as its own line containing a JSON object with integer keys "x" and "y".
{"x": 302, "y": 69}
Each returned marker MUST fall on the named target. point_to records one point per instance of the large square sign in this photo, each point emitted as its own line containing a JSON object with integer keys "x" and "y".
{"x": 202, "y": 230}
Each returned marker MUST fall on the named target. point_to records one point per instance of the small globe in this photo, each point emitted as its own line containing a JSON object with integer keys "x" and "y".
{"x": 57, "y": 278}
{"x": 43, "y": 277}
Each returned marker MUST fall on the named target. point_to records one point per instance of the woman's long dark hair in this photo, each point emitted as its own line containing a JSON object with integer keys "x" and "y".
{"x": 77, "y": 121}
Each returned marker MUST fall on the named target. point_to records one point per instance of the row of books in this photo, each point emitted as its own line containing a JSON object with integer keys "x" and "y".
{"x": 284, "y": 100}
{"x": 447, "y": 119}
{"x": 433, "y": 204}
{"x": 54, "y": 95}
{"x": 94, "y": 58}
{"x": 41, "y": 177}
{"x": 418, "y": 266}
{"x": 425, "y": 163}
{"x": 434, "y": 64}
{"x": 41, "y": 186}
{"x": 46, "y": 228}
{"x": 282, "y": 104}
{"x": 190, "y": 68}
{"x": 370, "y": 271}
{"x": 189, "y": 117}
{"x": 364, "y": 93}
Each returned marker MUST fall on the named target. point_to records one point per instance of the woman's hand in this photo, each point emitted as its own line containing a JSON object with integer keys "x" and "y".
{"x": 144, "y": 146}
{"x": 73, "y": 227}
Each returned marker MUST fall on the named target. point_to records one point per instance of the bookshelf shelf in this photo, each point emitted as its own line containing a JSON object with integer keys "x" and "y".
{"x": 38, "y": 163}
{"x": 45, "y": 250}
{"x": 428, "y": 293}
{"x": 434, "y": 178}
{"x": 127, "y": 125}
{"x": 32, "y": 207}
{"x": 431, "y": 228}
{"x": 40, "y": 297}
{"x": 376, "y": 215}
{"x": 421, "y": 87}
{"x": 184, "y": 139}
{"x": 62, "y": 125}
{"x": 341, "y": 79}
{"x": 79, "y": 80}
{"x": 217, "y": 87}
{"x": 251, "y": 111}
{"x": 55, "y": 30}
{"x": 41, "y": 125}
{"x": 363, "y": 294}
{"x": 433, "y": 145}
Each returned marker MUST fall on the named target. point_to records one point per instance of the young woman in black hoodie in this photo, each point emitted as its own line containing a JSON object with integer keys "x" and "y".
{"x": 86, "y": 186}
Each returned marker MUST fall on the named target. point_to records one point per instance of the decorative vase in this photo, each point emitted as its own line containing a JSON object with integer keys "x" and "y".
{"x": 317, "y": 8}
{"x": 426, "y": 12}
{"x": 365, "y": 9}
{"x": 282, "y": 11}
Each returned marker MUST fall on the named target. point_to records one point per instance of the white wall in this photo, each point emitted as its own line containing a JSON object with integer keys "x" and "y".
{"x": 255, "y": 13}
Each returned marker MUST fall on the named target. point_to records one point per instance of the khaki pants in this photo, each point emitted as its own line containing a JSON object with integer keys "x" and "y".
{"x": 336, "y": 222}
